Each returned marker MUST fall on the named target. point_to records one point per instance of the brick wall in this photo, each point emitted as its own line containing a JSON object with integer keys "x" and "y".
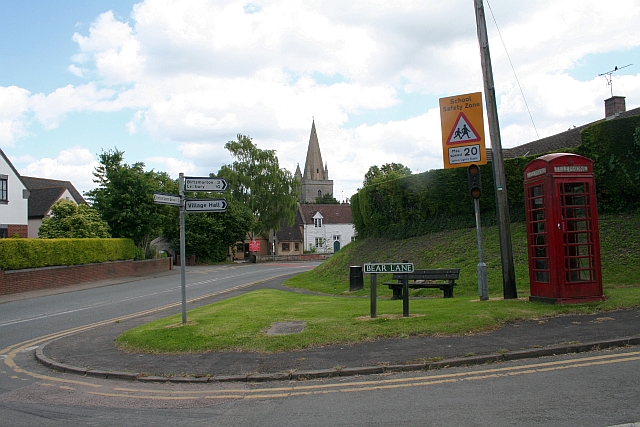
{"x": 20, "y": 230}
{"x": 14, "y": 281}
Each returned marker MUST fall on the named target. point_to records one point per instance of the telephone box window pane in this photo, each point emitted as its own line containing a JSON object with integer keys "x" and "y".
{"x": 541, "y": 251}
{"x": 539, "y": 240}
{"x": 541, "y": 264}
{"x": 538, "y": 227}
{"x": 542, "y": 276}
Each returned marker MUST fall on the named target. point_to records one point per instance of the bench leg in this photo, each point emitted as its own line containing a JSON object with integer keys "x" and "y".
{"x": 448, "y": 292}
{"x": 397, "y": 293}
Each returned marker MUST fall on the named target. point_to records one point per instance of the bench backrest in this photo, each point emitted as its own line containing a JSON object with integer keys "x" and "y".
{"x": 431, "y": 274}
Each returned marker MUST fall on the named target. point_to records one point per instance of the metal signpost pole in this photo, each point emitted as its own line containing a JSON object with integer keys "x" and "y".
{"x": 183, "y": 258}
{"x": 502, "y": 204}
{"x": 373, "y": 296}
{"x": 483, "y": 287}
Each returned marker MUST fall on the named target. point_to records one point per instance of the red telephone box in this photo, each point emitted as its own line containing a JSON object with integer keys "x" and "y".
{"x": 562, "y": 230}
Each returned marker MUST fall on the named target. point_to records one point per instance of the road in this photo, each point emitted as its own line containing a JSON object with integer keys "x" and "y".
{"x": 592, "y": 389}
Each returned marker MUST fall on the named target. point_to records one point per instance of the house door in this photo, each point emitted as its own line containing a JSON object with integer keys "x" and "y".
{"x": 336, "y": 246}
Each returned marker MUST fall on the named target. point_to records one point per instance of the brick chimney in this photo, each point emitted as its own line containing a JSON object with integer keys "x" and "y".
{"x": 613, "y": 106}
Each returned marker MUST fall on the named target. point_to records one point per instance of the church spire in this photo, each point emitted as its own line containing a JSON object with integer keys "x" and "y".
{"x": 314, "y": 168}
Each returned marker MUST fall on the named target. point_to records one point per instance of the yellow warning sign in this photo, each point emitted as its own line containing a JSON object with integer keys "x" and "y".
{"x": 462, "y": 125}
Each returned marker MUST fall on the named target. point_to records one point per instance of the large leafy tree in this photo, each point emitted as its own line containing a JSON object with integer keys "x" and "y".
{"x": 387, "y": 172}
{"x": 124, "y": 198}
{"x": 72, "y": 221}
{"x": 257, "y": 181}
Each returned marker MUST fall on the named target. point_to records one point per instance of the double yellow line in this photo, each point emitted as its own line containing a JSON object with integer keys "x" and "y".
{"x": 368, "y": 385}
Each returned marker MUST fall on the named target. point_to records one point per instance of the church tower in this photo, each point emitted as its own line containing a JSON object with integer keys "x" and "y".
{"x": 315, "y": 180}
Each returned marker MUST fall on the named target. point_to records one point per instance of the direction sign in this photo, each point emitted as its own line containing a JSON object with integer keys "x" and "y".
{"x": 166, "y": 199}
{"x": 387, "y": 267}
{"x": 205, "y": 205}
{"x": 462, "y": 130}
{"x": 204, "y": 184}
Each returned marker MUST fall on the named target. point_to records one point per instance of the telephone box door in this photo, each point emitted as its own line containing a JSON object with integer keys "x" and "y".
{"x": 578, "y": 242}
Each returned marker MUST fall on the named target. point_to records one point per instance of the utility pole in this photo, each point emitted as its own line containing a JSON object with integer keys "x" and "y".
{"x": 502, "y": 203}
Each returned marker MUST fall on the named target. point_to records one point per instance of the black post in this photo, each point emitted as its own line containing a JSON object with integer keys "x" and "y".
{"x": 405, "y": 295}
{"x": 372, "y": 296}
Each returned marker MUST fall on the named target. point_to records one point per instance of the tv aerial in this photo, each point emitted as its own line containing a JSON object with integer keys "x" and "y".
{"x": 609, "y": 76}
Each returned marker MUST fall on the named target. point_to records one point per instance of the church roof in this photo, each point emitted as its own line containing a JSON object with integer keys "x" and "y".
{"x": 313, "y": 166}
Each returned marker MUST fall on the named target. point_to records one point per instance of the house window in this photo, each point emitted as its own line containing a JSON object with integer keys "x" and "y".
{"x": 317, "y": 222}
{"x": 4, "y": 231}
{"x": 297, "y": 246}
{"x": 285, "y": 247}
{"x": 4, "y": 184}
{"x": 336, "y": 237}
{"x": 319, "y": 241}
{"x": 319, "y": 193}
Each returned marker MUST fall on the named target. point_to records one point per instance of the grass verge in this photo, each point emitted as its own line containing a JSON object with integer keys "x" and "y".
{"x": 240, "y": 323}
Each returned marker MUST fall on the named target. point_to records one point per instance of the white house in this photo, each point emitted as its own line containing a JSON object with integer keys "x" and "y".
{"x": 326, "y": 228}
{"x": 14, "y": 203}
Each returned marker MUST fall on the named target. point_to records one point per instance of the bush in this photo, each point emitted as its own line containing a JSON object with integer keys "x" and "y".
{"x": 17, "y": 254}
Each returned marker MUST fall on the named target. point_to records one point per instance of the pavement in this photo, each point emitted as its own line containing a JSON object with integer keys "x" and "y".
{"x": 92, "y": 352}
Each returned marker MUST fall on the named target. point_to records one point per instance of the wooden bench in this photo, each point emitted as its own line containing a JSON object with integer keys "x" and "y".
{"x": 441, "y": 278}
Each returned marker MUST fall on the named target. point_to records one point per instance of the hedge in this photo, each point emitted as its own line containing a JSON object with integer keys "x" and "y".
{"x": 17, "y": 254}
{"x": 438, "y": 199}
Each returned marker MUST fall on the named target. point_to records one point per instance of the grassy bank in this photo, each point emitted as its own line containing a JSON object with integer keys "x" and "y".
{"x": 341, "y": 317}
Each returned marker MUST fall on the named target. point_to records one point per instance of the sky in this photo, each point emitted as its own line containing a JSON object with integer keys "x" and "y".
{"x": 169, "y": 82}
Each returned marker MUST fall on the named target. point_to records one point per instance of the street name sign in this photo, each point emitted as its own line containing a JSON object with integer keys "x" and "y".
{"x": 388, "y": 267}
{"x": 462, "y": 126}
{"x": 166, "y": 199}
{"x": 206, "y": 205}
{"x": 204, "y": 184}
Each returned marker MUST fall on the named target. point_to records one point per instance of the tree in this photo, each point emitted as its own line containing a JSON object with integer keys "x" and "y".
{"x": 69, "y": 220}
{"x": 208, "y": 235}
{"x": 257, "y": 181}
{"x": 389, "y": 171}
{"x": 327, "y": 199}
{"x": 124, "y": 198}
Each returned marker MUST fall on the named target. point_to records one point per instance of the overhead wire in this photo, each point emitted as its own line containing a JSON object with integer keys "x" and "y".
{"x": 513, "y": 69}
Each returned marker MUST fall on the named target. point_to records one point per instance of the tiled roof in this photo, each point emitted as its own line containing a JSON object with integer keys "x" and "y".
{"x": 41, "y": 200}
{"x": 290, "y": 233}
{"x": 331, "y": 214}
{"x": 33, "y": 183}
{"x": 567, "y": 139}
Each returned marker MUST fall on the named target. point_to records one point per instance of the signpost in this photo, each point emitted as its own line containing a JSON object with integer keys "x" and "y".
{"x": 166, "y": 199}
{"x": 375, "y": 268}
{"x": 205, "y": 205}
{"x": 193, "y": 184}
{"x": 387, "y": 267}
{"x": 463, "y": 146}
{"x": 462, "y": 130}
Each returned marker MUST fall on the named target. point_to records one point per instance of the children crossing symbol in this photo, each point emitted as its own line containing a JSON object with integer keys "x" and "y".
{"x": 463, "y": 132}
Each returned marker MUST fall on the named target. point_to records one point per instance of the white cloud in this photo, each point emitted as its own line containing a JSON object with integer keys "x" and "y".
{"x": 75, "y": 164}
{"x": 195, "y": 73}
{"x": 170, "y": 165}
{"x": 113, "y": 48}
{"x": 51, "y": 109}
{"x": 14, "y": 105}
